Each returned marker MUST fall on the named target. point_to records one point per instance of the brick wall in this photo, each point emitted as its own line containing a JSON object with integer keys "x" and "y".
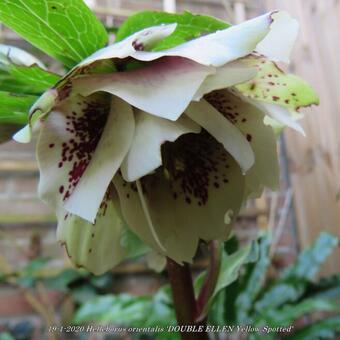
{"x": 22, "y": 214}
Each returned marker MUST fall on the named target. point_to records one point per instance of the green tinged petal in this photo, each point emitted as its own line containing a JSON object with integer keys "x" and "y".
{"x": 41, "y": 108}
{"x": 272, "y": 85}
{"x": 250, "y": 121}
{"x": 194, "y": 196}
{"x": 100, "y": 246}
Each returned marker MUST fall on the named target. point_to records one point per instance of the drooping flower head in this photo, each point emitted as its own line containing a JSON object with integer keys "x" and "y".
{"x": 167, "y": 143}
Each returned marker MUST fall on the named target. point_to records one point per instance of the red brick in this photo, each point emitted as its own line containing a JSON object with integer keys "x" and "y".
{"x": 13, "y": 302}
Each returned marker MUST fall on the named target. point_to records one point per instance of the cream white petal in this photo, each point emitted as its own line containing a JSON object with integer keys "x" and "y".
{"x": 223, "y": 131}
{"x": 24, "y": 135}
{"x": 163, "y": 88}
{"x": 130, "y": 45}
{"x": 279, "y": 42}
{"x": 17, "y": 56}
{"x": 215, "y": 49}
{"x": 80, "y": 147}
{"x": 151, "y": 132}
{"x": 113, "y": 146}
{"x": 227, "y": 75}
{"x": 54, "y": 180}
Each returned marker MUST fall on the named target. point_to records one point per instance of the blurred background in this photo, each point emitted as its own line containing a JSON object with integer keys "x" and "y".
{"x": 307, "y": 204}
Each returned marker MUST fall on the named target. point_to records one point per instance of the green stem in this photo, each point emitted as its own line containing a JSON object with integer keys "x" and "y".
{"x": 184, "y": 299}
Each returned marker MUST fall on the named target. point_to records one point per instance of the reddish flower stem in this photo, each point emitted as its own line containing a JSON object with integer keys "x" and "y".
{"x": 184, "y": 300}
{"x": 210, "y": 281}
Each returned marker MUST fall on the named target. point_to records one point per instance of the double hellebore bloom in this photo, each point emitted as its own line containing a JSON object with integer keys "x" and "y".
{"x": 166, "y": 143}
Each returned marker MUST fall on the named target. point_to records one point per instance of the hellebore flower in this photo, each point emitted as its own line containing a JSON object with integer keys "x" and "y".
{"x": 168, "y": 143}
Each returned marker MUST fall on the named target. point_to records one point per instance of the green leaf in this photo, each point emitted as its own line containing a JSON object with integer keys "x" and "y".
{"x": 287, "y": 314}
{"x": 27, "y": 80}
{"x": 324, "y": 329}
{"x": 35, "y": 78}
{"x": 28, "y": 275}
{"x": 327, "y": 287}
{"x": 104, "y": 281}
{"x": 83, "y": 293}
{"x": 272, "y": 85}
{"x": 14, "y": 107}
{"x": 65, "y": 29}
{"x": 95, "y": 309}
{"x": 122, "y": 309}
{"x": 63, "y": 279}
{"x": 294, "y": 280}
{"x": 218, "y": 308}
{"x": 231, "y": 265}
{"x": 6, "y": 336}
{"x": 230, "y": 268}
{"x": 311, "y": 259}
{"x": 255, "y": 282}
{"x": 130, "y": 311}
{"x": 132, "y": 244}
{"x": 281, "y": 293}
{"x": 189, "y": 26}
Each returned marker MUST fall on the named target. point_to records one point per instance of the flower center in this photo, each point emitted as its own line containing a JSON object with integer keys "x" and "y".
{"x": 194, "y": 164}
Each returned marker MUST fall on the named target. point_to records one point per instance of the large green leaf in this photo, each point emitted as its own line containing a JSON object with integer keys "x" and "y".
{"x": 28, "y": 80}
{"x": 189, "y": 26}
{"x": 13, "y": 113}
{"x": 65, "y": 29}
{"x": 231, "y": 265}
{"x": 14, "y": 107}
{"x": 230, "y": 269}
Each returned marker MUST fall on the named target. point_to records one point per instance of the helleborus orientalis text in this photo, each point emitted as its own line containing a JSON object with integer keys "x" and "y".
{"x": 165, "y": 140}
